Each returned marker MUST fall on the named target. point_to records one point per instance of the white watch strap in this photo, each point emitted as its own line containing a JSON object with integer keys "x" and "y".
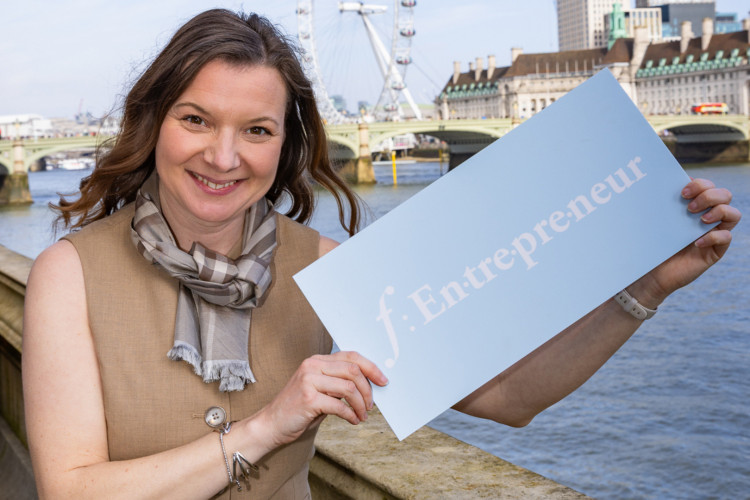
{"x": 632, "y": 306}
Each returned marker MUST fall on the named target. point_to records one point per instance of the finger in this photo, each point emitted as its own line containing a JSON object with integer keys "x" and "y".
{"x": 368, "y": 368}
{"x": 727, "y": 215}
{"x": 344, "y": 380}
{"x": 695, "y": 187}
{"x": 321, "y": 393}
{"x": 718, "y": 241}
{"x": 710, "y": 198}
{"x": 331, "y": 405}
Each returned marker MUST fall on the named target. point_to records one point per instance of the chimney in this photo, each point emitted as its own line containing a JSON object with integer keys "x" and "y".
{"x": 456, "y": 71}
{"x": 686, "y": 33}
{"x": 478, "y": 70}
{"x": 746, "y": 27}
{"x": 640, "y": 46}
{"x": 514, "y": 53}
{"x": 708, "y": 31}
{"x": 490, "y": 66}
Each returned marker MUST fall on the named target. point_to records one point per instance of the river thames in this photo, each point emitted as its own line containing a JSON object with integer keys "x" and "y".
{"x": 667, "y": 417}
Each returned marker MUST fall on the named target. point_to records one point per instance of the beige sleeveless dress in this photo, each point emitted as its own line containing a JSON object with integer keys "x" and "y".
{"x": 152, "y": 403}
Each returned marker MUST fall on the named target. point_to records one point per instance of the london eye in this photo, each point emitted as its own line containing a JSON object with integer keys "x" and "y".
{"x": 389, "y": 30}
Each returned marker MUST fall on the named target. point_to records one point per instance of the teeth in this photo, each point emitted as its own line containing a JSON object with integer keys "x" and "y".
{"x": 211, "y": 184}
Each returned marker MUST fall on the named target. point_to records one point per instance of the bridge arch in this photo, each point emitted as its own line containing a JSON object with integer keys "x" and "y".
{"x": 702, "y": 129}
{"x": 41, "y": 153}
{"x": 346, "y": 149}
{"x": 6, "y": 164}
{"x": 33, "y": 150}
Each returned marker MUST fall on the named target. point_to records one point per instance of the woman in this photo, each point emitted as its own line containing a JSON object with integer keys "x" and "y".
{"x": 181, "y": 252}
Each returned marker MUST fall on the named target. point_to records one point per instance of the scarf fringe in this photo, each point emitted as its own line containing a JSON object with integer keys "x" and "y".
{"x": 234, "y": 374}
{"x": 182, "y": 351}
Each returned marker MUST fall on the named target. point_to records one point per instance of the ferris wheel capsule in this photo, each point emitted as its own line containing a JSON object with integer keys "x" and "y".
{"x": 409, "y": 3}
{"x": 407, "y": 32}
{"x": 398, "y": 85}
{"x": 390, "y": 107}
{"x": 403, "y": 60}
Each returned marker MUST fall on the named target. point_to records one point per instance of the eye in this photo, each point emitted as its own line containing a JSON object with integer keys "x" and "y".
{"x": 193, "y": 120}
{"x": 258, "y": 134}
{"x": 261, "y": 131}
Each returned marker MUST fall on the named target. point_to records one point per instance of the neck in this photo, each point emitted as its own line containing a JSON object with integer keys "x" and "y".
{"x": 220, "y": 237}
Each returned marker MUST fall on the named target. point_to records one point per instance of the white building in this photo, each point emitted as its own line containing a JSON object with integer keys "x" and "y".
{"x": 580, "y": 23}
{"x": 646, "y": 17}
{"x": 24, "y": 126}
{"x": 713, "y": 68}
{"x": 531, "y": 83}
{"x": 662, "y": 78}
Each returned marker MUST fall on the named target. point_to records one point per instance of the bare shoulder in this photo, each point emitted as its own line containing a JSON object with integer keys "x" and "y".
{"x": 326, "y": 245}
{"x": 55, "y": 292}
{"x": 58, "y": 262}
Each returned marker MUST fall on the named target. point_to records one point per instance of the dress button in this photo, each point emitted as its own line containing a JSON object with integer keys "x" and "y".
{"x": 215, "y": 416}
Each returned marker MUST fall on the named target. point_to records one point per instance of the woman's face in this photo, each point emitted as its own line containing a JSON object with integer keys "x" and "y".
{"x": 219, "y": 145}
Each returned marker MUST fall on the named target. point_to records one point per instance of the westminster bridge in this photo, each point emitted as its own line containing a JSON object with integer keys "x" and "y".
{"x": 350, "y": 143}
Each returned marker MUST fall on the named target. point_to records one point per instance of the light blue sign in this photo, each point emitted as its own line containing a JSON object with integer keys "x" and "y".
{"x": 501, "y": 254}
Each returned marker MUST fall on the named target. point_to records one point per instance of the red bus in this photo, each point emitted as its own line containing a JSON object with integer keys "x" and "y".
{"x": 710, "y": 108}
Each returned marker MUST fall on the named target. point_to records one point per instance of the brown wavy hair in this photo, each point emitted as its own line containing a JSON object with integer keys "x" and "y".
{"x": 126, "y": 161}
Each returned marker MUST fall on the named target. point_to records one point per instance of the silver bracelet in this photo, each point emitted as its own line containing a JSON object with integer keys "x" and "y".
{"x": 245, "y": 465}
{"x": 632, "y": 306}
{"x": 225, "y": 430}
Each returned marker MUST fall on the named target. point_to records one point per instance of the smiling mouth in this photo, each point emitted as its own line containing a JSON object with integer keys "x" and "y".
{"x": 213, "y": 185}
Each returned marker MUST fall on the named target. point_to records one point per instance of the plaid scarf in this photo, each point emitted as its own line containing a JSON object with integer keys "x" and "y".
{"x": 216, "y": 293}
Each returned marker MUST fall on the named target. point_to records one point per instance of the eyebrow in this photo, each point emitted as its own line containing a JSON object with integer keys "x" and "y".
{"x": 198, "y": 108}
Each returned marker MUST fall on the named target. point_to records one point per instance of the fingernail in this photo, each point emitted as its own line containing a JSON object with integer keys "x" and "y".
{"x": 364, "y": 419}
{"x": 708, "y": 217}
{"x": 699, "y": 242}
{"x": 693, "y": 206}
{"x": 686, "y": 193}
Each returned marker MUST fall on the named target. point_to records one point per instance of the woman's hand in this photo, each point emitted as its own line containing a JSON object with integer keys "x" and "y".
{"x": 316, "y": 389}
{"x": 696, "y": 258}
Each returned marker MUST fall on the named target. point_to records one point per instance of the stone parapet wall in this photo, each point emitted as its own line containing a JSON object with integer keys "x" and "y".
{"x": 368, "y": 462}
{"x": 352, "y": 462}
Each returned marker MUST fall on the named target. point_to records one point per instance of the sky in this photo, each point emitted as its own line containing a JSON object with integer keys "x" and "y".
{"x": 61, "y": 56}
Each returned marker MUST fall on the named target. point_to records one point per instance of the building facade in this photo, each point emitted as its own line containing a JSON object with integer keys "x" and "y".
{"x": 712, "y": 68}
{"x": 646, "y": 17}
{"x": 580, "y": 23}
{"x": 666, "y": 77}
{"x": 24, "y": 126}
{"x": 531, "y": 83}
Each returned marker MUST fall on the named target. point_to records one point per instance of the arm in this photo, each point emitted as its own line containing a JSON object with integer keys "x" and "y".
{"x": 65, "y": 415}
{"x": 561, "y": 365}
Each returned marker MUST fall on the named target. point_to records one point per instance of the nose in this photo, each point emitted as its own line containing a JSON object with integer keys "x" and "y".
{"x": 222, "y": 151}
